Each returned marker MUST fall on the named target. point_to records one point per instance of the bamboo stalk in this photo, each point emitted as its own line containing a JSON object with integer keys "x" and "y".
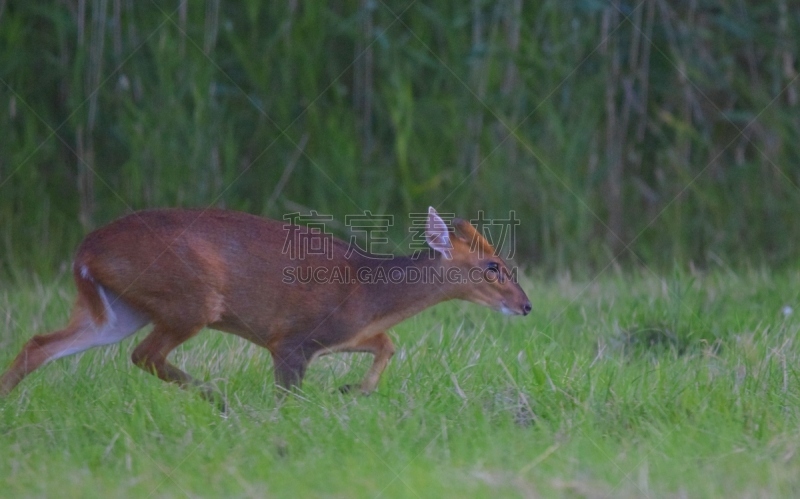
{"x": 117, "y": 31}
{"x": 644, "y": 70}
{"x": 787, "y": 55}
{"x": 183, "y": 14}
{"x": 510, "y": 85}
{"x": 363, "y": 78}
{"x": 613, "y": 135}
{"x": 287, "y": 172}
{"x": 211, "y": 26}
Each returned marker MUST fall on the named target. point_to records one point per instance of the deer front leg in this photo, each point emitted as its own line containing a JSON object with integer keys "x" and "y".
{"x": 382, "y": 348}
{"x": 289, "y": 372}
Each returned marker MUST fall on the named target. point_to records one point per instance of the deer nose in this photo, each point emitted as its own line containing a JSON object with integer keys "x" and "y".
{"x": 526, "y": 309}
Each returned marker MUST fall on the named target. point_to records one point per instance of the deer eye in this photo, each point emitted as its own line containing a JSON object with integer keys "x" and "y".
{"x": 494, "y": 268}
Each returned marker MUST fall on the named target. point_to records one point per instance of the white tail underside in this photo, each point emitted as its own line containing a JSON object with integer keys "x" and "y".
{"x": 121, "y": 322}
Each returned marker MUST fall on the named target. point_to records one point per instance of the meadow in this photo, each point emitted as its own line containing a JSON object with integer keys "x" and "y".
{"x": 647, "y": 134}
{"x": 629, "y": 385}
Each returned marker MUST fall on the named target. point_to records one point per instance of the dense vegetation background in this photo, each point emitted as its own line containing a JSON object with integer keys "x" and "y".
{"x": 651, "y": 130}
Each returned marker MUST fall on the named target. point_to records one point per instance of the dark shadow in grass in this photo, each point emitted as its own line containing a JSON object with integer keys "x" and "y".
{"x": 653, "y": 338}
{"x": 513, "y": 402}
{"x": 281, "y": 448}
{"x": 658, "y": 339}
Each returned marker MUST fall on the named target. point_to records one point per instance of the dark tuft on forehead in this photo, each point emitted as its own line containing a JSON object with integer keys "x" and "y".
{"x": 476, "y": 241}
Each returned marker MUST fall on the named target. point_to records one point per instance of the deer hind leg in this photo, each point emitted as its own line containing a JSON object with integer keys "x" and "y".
{"x": 382, "y": 348}
{"x": 82, "y": 333}
{"x": 151, "y": 356}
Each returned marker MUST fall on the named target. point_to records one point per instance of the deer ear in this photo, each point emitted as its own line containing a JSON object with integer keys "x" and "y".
{"x": 437, "y": 235}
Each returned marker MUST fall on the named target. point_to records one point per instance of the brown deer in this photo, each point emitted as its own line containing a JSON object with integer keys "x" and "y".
{"x": 184, "y": 270}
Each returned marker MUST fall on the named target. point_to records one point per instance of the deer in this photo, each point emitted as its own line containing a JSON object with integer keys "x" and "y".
{"x": 183, "y": 270}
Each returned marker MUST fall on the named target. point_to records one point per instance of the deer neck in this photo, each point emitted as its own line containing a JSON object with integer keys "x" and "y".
{"x": 403, "y": 286}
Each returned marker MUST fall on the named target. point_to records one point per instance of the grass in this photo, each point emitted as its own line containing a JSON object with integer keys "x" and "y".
{"x": 626, "y": 386}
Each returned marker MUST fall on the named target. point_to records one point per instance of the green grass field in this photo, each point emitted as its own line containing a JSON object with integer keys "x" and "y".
{"x": 627, "y": 386}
